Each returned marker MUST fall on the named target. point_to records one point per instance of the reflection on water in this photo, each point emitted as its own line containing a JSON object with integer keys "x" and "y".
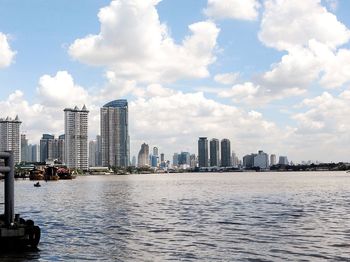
{"x": 204, "y": 217}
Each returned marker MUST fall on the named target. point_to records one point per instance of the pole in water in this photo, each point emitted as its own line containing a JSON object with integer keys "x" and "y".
{"x": 9, "y": 189}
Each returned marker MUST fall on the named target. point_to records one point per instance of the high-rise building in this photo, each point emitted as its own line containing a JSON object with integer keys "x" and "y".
{"x": 261, "y": 160}
{"x": 47, "y": 151}
{"x": 143, "y": 157}
{"x": 184, "y": 159}
{"x": 225, "y": 152}
{"x": 10, "y": 137}
{"x": 24, "y": 149}
{"x": 214, "y": 152}
{"x": 175, "y": 160}
{"x": 248, "y": 160}
{"x": 203, "y": 152}
{"x": 283, "y": 160}
{"x": 76, "y": 138}
{"x": 193, "y": 161}
{"x": 98, "y": 151}
{"x": 155, "y": 151}
{"x": 34, "y": 153}
{"x": 235, "y": 160}
{"x": 92, "y": 153}
{"x": 272, "y": 160}
{"x": 115, "y": 144}
{"x": 60, "y": 148}
{"x": 162, "y": 157}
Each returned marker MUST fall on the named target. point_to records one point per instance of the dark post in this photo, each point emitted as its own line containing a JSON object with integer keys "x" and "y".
{"x": 9, "y": 189}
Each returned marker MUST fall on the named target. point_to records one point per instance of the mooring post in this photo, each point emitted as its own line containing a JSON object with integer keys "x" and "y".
{"x": 9, "y": 189}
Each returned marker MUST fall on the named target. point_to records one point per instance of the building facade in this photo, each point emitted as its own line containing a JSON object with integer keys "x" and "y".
{"x": 273, "y": 160}
{"x": 261, "y": 160}
{"x": 214, "y": 152}
{"x": 203, "y": 152}
{"x": 10, "y": 139}
{"x": 143, "y": 156}
{"x": 225, "y": 152}
{"x": 283, "y": 160}
{"x": 115, "y": 141}
{"x": 76, "y": 138}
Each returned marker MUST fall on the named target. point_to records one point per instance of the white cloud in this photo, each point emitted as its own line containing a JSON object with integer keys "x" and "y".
{"x": 289, "y": 23}
{"x": 226, "y": 78}
{"x": 6, "y": 54}
{"x": 233, "y": 9}
{"x": 133, "y": 43}
{"x": 61, "y": 91}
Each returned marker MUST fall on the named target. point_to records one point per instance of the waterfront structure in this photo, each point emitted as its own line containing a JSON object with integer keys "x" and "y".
{"x": 10, "y": 137}
{"x": 76, "y": 138}
{"x": 203, "y": 152}
{"x": 214, "y": 152}
{"x": 261, "y": 160}
{"x": 24, "y": 148}
{"x": 143, "y": 157}
{"x": 115, "y": 141}
{"x": 272, "y": 160}
{"x": 225, "y": 152}
{"x": 283, "y": 160}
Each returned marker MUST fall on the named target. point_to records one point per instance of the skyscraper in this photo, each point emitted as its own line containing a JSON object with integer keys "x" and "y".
{"x": 76, "y": 138}
{"x": 225, "y": 152}
{"x": 143, "y": 157}
{"x": 272, "y": 160}
{"x": 92, "y": 153}
{"x": 202, "y": 152}
{"x": 47, "y": 150}
{"x": 24, "y": 149}
{"x": 261, "y": 160}
{"x": 115, "y": 144}
{"x": 283, "y": 160}
{"x": 10, "y": 137}
{"x": 60, "y": 148}
{"x": 214, "y": 152}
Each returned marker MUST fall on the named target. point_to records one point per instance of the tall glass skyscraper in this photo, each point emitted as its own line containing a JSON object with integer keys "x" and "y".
{"x": 225, "y": 152}
{"x": 76, "y": 138}
{"x": 203, "y": 152}
{"x": 115, "y": 142}
{"x": 214, "y": 152}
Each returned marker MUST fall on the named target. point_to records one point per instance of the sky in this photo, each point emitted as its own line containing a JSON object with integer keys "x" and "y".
{"x": 270, "y": 75}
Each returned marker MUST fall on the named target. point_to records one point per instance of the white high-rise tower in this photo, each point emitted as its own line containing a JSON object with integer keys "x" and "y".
{"x": 10, "y": 136}
{"x": 76, "y": 138}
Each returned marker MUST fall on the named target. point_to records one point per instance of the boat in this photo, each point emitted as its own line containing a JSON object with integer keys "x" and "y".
{"x": 36, "y": 174}
{"x": 37, "y": 184}
{"x": 51, "y": 173}
{"x": 65, "y": 173}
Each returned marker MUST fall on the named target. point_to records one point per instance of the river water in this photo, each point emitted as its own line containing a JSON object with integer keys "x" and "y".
{"x": 189, "y": 217}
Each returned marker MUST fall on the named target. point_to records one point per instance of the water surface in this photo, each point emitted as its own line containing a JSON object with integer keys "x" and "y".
{"x": 190, "y": 217}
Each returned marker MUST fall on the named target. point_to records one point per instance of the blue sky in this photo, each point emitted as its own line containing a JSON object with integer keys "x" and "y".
{"x": 269, "y": 74}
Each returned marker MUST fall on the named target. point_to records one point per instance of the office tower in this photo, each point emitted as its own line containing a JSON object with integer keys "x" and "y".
{"x": 60, "y": 148}
{"x": 235, "y": 160}
{"x": 175, "y": 160}
{"x": 162, "y": 157}
{"x": 184, "y": 159}
{"x": 261, "y": 160}
{"x": 92, "y": 153}
{"x": 143, "y": 157}
{"x": 115, "y": 134}
{"x": 248, "y": 160}
{"x": 203, "y": 152}
{"x": 34, "y": 153}
{"x": 24, "y": 149}
{"x": 10, "y": 137}
{"x": 98, "y": 151}
{"x": 214, "y": 152}
{"x": 155, "y": 151}
{"x": 154, "y": 160}
{"x": 225, "y": 152}
{"x": 283, "y": 160}
{"x": 272, "y": 160}
{"x": 193, "y": 161}
{"x": 76, "y": 138}
{"x": 47, "y": 151}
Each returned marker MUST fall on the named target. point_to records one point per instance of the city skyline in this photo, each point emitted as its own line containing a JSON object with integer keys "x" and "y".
{"x": 208, "y": 71}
